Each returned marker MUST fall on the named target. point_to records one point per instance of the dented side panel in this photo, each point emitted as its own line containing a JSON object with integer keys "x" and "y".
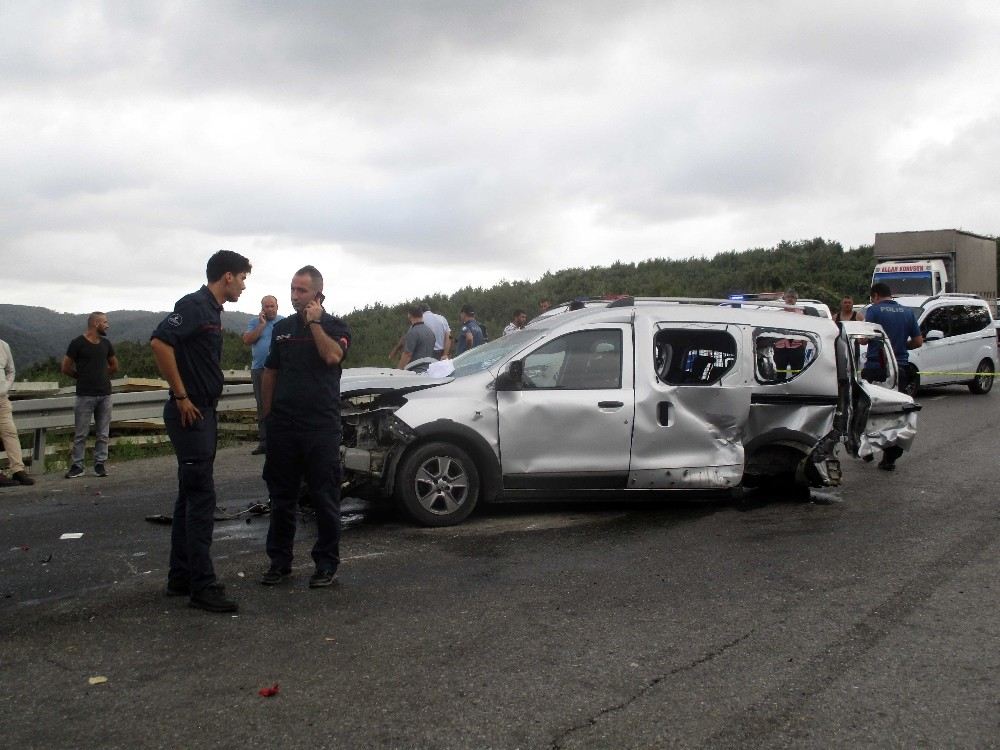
{"x": 688, "y": 436}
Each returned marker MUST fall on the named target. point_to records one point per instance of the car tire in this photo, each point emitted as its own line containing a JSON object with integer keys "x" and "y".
{"x": 983, "y": 382}
{"x": 914, "y": 382}
{"x": 437, "y": 484}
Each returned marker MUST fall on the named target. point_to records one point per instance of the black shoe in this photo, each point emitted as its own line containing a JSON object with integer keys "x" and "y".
{"x": 183, "y": 588}
{"x": 212, "y": 599}
{"x": 274, "y": 576}
{"x": 321, "y": 579}
{"x": 100, "y": 471}
{"x": 74, "y": 471}
{"x": 258, "y": 451}
{"x": 6, "y": 481}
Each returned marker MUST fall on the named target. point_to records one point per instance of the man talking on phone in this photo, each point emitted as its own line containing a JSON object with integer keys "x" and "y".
{"x": 301, "y": 394}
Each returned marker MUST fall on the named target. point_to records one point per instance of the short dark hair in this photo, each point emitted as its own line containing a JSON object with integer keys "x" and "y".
{"x": 469, "y": 310}
{"x": 313, "y": 273}
{"x": 415, "y": 311}
{"x": 517, "y": 312}
{"x": 881, "y": 289}
{"x": 226, "y": 261}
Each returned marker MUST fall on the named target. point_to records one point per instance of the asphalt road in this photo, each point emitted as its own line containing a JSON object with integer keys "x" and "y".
{"x": 864, "y": 617}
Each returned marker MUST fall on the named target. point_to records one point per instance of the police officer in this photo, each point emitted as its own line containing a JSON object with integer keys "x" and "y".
{"x": 301, "y": 395}
{"x": 187, "y": 346}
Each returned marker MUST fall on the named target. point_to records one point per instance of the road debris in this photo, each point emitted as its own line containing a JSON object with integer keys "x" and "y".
{"x": 269, "y": 692}
{"x": 97, "y": 680}
{"x": 72, "y": 535}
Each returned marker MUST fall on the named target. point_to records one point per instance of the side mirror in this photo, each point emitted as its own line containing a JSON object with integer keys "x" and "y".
{"x": 511, "y": 379}
{"x": 934, "y": 335}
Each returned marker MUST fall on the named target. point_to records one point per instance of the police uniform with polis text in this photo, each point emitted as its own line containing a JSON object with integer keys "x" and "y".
{"x": 304, "y": 436}
{"x": 194, "y": 331}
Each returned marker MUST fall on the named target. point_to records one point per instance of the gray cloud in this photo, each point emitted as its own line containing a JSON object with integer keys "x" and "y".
{"x": 505, "y": 139}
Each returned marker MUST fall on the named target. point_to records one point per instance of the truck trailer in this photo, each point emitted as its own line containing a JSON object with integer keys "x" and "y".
{"x": 927, "y": 263}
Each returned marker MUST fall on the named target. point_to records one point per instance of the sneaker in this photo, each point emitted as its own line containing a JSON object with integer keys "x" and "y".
{"x": 274, "y": 576}
{"x": 6, "y": 481}
{"x": 74, "y": 471}
{"x": 212, "y": 599}
{"x": 100, "y": 471}
{"x": 321, "y": 579}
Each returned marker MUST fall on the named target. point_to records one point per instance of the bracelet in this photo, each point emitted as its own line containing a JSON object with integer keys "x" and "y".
{"x": 313, "y": 323}
{"x": 180, "y": 398}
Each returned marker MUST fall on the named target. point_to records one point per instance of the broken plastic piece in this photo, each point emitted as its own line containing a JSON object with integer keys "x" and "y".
{"x": 98, "y": 680}
{"x": 269, "y": 692}
{"x": 161, "y": 519}
{"x": 72, "y": 535}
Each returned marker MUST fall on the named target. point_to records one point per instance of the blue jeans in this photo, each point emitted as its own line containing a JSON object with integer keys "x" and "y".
{"x": 85, "y": 408}
{"x": 294, "y": 455}
{"x": 194, "y": 509}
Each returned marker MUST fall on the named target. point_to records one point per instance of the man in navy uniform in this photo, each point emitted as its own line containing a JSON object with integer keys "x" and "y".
{"x": 187, "y": 346}
{"x": 900, "y": 325}
{"x": 301, "y": 395}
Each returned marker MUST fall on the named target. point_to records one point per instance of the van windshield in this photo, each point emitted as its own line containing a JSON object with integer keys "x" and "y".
{"x": 494, "y": 352}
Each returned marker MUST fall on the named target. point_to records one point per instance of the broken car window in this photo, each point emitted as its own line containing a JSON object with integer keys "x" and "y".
{"x": 780, "y": 356}
{"x": 693, "y": 357}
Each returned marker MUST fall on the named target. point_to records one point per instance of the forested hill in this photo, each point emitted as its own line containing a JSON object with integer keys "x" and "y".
{"x": 816, "y": 268}
{"x": 37, "y": 334}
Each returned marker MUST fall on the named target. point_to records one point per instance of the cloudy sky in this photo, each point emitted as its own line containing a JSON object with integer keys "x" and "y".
{"x": 407, "y": 148}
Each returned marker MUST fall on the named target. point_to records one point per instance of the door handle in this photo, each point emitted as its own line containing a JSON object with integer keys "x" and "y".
{"x": 610, "y": 404}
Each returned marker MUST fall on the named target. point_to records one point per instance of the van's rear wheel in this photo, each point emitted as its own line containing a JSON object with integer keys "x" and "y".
{"x": 438, "y": 485}
{"x": 983, "y": 382}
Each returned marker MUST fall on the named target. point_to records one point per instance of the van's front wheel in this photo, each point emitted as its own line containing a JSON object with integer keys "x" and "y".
{"x": 438, "y": 485}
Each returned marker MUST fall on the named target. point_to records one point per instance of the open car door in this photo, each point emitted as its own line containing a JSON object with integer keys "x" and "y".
{"x": 881, "y": 416}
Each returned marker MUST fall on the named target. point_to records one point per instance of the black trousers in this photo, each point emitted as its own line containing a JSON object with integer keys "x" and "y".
{"x": 294, "y": 455}
{"x": 194, "y": 509}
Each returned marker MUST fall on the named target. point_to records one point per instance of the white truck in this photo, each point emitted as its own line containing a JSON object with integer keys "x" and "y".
{"x": 928, "y": 263}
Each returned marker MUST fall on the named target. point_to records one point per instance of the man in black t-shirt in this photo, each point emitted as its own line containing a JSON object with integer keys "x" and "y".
{"x": 187, "y": 346}
{"x": 90, "y": 360}
{"x": 301, "y": 398}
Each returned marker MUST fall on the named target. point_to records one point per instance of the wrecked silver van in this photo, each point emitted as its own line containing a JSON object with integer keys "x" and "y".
{"x": 637, "y": 395}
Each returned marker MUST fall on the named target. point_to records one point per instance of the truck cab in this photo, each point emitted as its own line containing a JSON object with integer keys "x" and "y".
{"x": 922, "y": 278}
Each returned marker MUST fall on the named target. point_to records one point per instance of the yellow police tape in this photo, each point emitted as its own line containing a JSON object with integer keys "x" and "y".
{"x": 927, "y": 372}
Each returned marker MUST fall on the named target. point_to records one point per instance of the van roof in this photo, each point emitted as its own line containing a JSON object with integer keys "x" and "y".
{"x": 687, "y": 309}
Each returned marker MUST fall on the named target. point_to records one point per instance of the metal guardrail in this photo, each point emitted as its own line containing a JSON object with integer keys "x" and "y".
{"x": 41, "y": 414}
